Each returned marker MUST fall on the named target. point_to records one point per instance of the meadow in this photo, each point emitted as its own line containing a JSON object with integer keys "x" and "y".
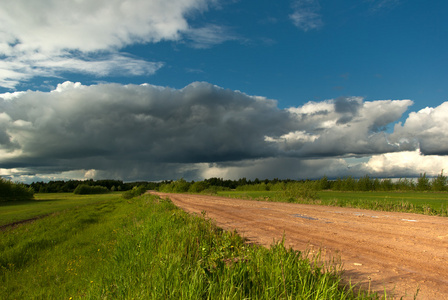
{"x": 45, "y": 204}
{"x": 108, "y": 247}
{"x": 430, "y": 203}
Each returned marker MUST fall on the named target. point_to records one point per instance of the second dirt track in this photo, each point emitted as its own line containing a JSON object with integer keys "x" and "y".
{"x": 399, "y": 253}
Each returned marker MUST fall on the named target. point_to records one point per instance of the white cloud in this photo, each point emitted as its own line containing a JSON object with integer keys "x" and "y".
{"x": 29, "y": 176}
{"x": 208, "y": 36}
{"x": 306, "y": 14}
{"x": 427, "y": 127}
{"x": 343, "y": 126}
{"x": 402, "y": 164}
{"x": 9, "y": 96}
{"x": 52, "y": 25}
{"x": 43, "y": 38}
{"x": 382, "y": 5}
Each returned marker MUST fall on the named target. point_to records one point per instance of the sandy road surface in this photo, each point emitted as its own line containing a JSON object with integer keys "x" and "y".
{"x": 399, "y": 252}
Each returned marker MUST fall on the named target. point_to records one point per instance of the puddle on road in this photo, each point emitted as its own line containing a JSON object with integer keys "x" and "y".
{"x": 304, "y": 217}
{"x": 364, "y": 215}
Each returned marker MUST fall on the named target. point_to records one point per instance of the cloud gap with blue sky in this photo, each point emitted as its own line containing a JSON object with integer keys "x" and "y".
{"x": 153, "y": 90}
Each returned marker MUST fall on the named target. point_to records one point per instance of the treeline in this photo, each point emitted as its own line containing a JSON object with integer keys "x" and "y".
{"x": 70, "y": 186}
{"x": 366, "y": 183}
{"x": 213, "y": 185}
{"x": 10, "y": 191}
{"x": 422, "y": 183}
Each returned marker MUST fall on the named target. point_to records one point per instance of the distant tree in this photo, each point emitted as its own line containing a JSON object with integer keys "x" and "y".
{"x": 423, "y": 183}
{"x": 337, "y": 185}
{"x": 405, "y": 184}
{"x": 324, "y": 184}
{"x": 386, "y": 185}
{"x": 364, "y": 184}
{"x": 198, "y": 187}
{"x": 84, "y": 189}
{"x": 348, "y": 184}
{"x": 439, "y": 183}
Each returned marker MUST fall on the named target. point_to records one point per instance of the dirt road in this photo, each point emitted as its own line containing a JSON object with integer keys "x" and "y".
{"x": 399, "y": 252}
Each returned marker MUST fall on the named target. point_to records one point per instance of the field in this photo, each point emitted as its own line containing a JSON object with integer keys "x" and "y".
{"x": 45, "y": 204}
{"x": 431, "y": 203}
{"x": 146, "y": 248}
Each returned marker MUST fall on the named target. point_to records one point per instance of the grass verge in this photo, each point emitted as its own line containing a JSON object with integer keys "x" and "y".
{"x": 146, "y": 248}
{"x": 429, "y": 203}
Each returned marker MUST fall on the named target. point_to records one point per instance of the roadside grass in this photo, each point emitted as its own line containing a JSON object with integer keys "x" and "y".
{"x": 147, "y": 248}
{"x": 429, "y": 203}
{"x": 45, "y": 204}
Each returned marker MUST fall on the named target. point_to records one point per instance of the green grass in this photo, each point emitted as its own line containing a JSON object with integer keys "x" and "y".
{"x": 45, "y": 204}
{"x": 249, "y": 194}
{"x": 146, "y": 248}
{"x": 431, "y": 203}
{"x": 436, "y": 200}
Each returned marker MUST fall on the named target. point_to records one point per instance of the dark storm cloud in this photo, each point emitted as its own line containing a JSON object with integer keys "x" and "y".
{"x": 100, "y": 126}
{"x": 150, "y": 132}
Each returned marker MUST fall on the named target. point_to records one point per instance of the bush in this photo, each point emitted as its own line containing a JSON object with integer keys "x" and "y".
{"x": 10, "y": 191}
{"x": 136, "y": 191}
{"x": 198, "y": 187}
{"x": 296, "y": 191}
{"x": 178, "y": 186}
{"x": 213, "y": 190}
{"x": 84, "y": 189}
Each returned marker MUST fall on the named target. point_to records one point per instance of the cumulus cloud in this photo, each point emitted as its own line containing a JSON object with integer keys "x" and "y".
{"x": 405, "y": 164}
{"x": 427, "y": 127}
{"x": 87, "y": 26}
{"x": 343, "y": 127}
{"x": 151, "y": 132}
{"x": 46, "y": 37}
{"x": 306, "y": 14}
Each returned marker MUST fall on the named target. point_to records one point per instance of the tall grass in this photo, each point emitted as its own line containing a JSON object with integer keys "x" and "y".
{"x": 146, "y": 248}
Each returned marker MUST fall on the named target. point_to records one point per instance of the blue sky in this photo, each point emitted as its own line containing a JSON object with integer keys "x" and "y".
{"x": 315, "y": 87}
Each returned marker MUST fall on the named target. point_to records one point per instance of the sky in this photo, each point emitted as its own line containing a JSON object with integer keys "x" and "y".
{"x": 193, "y": 89}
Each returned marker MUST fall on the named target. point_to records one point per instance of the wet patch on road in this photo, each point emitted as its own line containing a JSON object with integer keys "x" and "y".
{"x": 304, "y": 217}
